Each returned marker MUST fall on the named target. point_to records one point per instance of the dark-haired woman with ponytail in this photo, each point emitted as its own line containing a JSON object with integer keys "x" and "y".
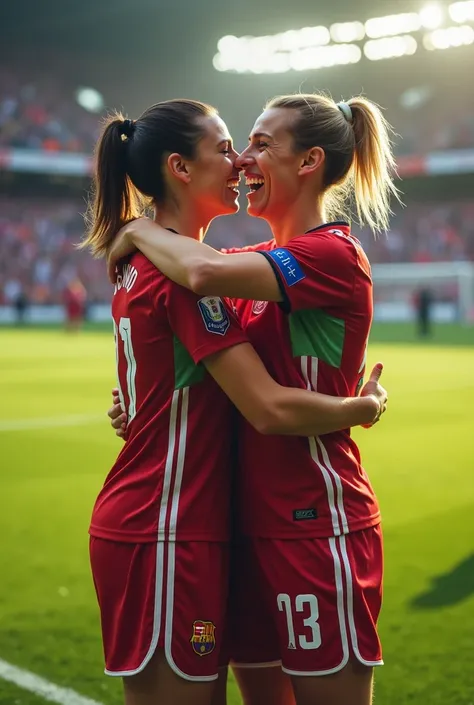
{"x": 306, "y": 506}
{"x": 160, "y": 527}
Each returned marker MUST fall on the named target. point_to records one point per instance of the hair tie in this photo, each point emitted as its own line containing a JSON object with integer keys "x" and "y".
{"x": 127, "y": 128}
{"x": 345, "y": 110}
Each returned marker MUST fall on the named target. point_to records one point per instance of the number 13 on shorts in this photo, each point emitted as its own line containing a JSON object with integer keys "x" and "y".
{"x": 308, "y": 605}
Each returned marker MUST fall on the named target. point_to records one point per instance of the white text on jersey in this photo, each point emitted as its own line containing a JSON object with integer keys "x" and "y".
{"x": 127, "y": 279}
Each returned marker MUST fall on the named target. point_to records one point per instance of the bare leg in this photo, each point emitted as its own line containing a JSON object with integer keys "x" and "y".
{"x": 353, "y": 685}
{"x": 158, "y": 684}
{"x": 264, "y": 686}
{"x": 219, "y": 696}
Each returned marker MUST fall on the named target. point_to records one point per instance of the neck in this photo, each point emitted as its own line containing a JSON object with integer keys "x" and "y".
{"x": 183, "y": 220}
{"x": 305, "y": 213}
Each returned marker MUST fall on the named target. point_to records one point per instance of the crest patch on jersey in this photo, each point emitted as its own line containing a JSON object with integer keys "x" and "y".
{"x": 214, "y": 314}
{"x": 288, "y": 265}
{"x": 259, "y": 307}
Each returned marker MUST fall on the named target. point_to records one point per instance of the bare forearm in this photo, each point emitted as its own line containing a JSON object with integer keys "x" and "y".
{"x": 304, "y": 413}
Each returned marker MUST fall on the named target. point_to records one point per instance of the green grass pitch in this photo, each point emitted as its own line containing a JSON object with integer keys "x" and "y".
{"x": 420, "y": 458}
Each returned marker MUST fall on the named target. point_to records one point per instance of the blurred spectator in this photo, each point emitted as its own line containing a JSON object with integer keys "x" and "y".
{"x": 39, "y": 111}
{"x": 38, "y": 256}
{"x": 42, "y": 113}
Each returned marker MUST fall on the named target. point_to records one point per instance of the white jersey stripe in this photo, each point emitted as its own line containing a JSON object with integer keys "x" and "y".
{"x": 350, "y": 605}
{"x": 183, "y": 431}
{"x": 168, "y": 467}
{"x": 339, "y": 489}
{"x": 325, "y": 456}
{"x": 169, "y": 620}
{"x": 159, "y": 584}
{"x": 341, "y": 618}
{"x": 314, "y": 455}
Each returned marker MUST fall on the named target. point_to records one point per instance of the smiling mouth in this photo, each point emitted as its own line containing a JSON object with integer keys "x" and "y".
{"x": 233, "y": 184}
{"x": 254, "y": 183}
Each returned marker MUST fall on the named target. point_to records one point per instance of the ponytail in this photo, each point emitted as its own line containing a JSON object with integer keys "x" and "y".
{"x": 373, "y": 166}
{"x": 115, "y": 200}
{"x": 359, "y": 162}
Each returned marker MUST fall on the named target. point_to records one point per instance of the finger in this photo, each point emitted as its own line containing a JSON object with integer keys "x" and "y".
{"x": 115, "y": 412}
{"x": 116, "y": 400}
{"x": 376, "y": 372}
{"x": 119, "y": 421}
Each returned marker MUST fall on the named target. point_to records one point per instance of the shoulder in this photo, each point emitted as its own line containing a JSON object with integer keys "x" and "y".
{"x": 330, "y": 246}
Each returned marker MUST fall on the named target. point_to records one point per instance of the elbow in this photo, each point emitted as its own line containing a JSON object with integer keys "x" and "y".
{"x": 201, "y": 276}
{"x": 268, "y": 423}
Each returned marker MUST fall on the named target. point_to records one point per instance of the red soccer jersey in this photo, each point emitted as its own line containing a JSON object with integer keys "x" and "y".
{"x": 171, "y": 481}
{"x": 316, "y": 339}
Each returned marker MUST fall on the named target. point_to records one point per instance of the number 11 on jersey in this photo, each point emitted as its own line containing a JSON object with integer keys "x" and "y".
{"x": 125, "y": 331}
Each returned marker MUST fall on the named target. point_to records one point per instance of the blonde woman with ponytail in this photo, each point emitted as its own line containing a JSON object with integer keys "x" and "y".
{"x": 309, "y": 515}
{"x": 160, "y": 527}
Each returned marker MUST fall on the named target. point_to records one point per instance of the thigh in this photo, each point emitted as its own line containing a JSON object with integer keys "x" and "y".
{"x": 352, "y": 685}
{"x": 266, "y": 684}
{"x": 158, "y": 683}
{"x": 325, "y": 596}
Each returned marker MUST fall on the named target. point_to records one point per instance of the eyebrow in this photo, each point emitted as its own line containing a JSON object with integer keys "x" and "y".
{"x": 226, "y": 141}
{"x": 259, "y": 134}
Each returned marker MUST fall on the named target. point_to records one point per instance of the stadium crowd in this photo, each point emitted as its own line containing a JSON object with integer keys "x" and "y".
{"x": 42, "y": 113}
{"x": 38, "y": 253}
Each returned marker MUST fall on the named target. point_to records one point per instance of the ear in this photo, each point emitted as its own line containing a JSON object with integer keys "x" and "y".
{"x": 178, "y": 167}
{"x": 312, "y": 161}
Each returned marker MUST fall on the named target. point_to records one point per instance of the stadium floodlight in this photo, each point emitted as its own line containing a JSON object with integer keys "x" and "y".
{"x": 449, "y": 38}
{"x": 90, "y": 99}
{"x": 299, "y": 38}
{"x": 431, "y": 16}
{"x": 391, "y": 25}
{"x": 347, "y": 32}
{"x": 462, "y": 11}
{"x": 390, "y": 47}
{"x": 322, "y": 57}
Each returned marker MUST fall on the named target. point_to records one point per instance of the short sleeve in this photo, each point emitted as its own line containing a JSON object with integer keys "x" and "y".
{"x": 315, "y": 271}
{"x": 203, "y": 324}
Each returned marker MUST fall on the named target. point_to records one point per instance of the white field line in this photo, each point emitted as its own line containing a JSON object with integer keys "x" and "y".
{"x": 50, "y": 422}
{"x": 39, "y": 686}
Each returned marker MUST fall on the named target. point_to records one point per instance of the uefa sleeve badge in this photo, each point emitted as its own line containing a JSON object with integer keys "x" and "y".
{"x": 203, "y": 639}
{"x": 214, "y": 314}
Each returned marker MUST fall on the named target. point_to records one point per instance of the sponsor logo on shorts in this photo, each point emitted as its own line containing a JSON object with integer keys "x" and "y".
{"x": 304, "y": 514}
{"x": 214, "y": 314}
{"x": 203, "y": 639}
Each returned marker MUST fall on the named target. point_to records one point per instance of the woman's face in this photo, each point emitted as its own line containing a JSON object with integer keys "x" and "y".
{"x": 214, "y": 178}
{"x": 270, "y": 165}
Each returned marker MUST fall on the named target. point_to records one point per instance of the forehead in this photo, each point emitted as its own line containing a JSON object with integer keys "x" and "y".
{"x": 274, "y": 121}
{"x": 216, "y": 129}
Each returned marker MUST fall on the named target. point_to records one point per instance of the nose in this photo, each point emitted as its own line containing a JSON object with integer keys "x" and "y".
{"x": 244, "y": 159}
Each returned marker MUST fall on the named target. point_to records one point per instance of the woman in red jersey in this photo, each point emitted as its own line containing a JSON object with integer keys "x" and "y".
{"x": 160, "y": 526}
{"x": 305, "y": 301}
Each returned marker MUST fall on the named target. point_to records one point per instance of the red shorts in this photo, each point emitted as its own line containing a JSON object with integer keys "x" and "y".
{"x": 166, "y": 595}
{"x": 311, "y": 604}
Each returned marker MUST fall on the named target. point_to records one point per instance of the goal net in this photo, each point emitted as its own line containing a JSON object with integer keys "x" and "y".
{"x": 450, "y": 285}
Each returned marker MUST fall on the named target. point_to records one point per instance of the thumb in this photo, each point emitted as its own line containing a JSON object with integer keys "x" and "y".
{"x": 376, "y": 372}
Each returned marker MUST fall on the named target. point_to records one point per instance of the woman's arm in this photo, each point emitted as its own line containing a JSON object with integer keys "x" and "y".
{"x": 196, "y": 266}
{"x": 276, "y": 410}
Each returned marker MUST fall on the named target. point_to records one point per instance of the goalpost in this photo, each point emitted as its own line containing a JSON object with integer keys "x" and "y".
{"x": 451, "y": 285}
